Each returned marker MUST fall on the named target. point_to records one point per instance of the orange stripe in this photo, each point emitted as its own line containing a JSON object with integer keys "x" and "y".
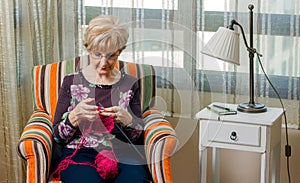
{"x": 167, "y": 170}
{"x": 171, "y": 142}
{"x": 132, "y": 69}
{"x": 168, "y": 150}
{"x": 41, "y": 139}
{"x": 155, "y": 125}
{"x": 53, "y": 87}
{"x": 148, "y": 112}
{"x": 40, "y": 114}
{"x": 40, "y": 128}
{"x": 37, "y": 87}
{"x": 31, "y": 175}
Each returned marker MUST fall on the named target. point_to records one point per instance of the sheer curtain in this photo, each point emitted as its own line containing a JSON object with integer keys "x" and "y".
{"x": 163, "y": 34}
{"x": 170, "y": 34}
{"x": 9, "y": 118}
{"x": 32, "y": 32}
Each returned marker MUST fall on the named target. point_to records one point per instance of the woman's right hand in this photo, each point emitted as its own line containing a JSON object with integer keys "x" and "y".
{"x": 84, "y": 111}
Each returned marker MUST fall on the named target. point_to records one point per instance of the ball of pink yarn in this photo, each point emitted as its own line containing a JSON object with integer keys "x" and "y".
{"x": 107, "y": 164}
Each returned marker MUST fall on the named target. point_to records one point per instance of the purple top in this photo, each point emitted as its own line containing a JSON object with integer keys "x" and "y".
{"x": 76, "y": 87}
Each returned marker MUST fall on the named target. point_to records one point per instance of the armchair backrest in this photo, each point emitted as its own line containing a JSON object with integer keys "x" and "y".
{"x": 47, "y": 80}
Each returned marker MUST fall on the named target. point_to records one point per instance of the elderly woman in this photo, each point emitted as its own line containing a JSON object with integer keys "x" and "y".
{"x": 98, "y": 116}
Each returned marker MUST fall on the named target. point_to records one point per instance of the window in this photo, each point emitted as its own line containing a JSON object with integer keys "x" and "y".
{"x": 149, "y": 42}
{"x": 153, "y": 4}
{"x": 169, "y": 34}
{"x": 154, "y": 41}
{"x": 274, "y": 35}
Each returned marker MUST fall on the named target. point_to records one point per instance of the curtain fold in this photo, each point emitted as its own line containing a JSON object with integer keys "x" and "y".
{"x": 33, "y": 32}
{"x": 10, "y": 117}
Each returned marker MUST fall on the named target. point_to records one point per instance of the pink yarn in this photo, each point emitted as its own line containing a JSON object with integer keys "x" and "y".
{"x": 105, "y": 124}
{"x": 108, "y": 123}
{"x": 107, "y": 164}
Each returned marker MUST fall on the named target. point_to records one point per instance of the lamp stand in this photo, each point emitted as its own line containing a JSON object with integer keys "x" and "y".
{"x": 251, "y": 106}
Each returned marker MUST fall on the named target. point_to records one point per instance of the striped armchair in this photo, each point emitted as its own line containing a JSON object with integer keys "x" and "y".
{"x": 35, "y": 144}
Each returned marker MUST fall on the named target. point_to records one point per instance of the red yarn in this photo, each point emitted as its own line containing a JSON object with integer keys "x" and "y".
{"x": 104, "y": 124}
{"x": 108, "y": 123}
{"x": 107, "y": 164}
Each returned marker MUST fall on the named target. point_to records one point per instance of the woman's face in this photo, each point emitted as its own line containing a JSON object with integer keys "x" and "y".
{"x": 104, "y": 63}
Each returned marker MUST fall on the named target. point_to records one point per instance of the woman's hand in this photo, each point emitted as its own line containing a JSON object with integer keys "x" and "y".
{"x": 84, "y": 111}
{"x": 120, "y": 114}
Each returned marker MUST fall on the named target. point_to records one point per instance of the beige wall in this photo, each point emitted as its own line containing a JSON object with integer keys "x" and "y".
{"x": 235, "y": 165}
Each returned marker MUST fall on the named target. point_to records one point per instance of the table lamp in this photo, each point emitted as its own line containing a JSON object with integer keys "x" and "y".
{"x": 224, "y": 45}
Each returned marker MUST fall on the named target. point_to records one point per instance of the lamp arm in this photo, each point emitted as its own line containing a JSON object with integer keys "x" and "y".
{"x": 234, "y": 22}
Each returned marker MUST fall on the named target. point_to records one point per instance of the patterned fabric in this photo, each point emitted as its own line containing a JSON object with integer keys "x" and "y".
{"x": 35, "y": 146}
{"x": 35, "y": 143}
{"x": 160, "y": 143}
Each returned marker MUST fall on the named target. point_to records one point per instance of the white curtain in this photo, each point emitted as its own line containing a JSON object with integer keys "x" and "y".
{"x": 32, "y": 32}
{"x": 171, "y": 34}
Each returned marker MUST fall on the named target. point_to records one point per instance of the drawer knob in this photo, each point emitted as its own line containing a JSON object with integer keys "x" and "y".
{"x": 233, "y": 136}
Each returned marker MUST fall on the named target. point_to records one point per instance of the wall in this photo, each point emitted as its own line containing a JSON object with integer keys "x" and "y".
{"x": 235, "y": 165}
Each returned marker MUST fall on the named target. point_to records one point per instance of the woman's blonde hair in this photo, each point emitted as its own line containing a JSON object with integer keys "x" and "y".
{"x": 105, "y": 34}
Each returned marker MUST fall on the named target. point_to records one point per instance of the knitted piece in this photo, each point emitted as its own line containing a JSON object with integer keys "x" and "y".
{"x": 105, "y": 163}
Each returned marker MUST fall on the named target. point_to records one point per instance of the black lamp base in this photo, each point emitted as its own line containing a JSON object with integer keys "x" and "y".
{"x": 252, "y": 108}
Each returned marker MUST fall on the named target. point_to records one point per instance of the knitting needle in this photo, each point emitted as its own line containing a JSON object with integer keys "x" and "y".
{"x": 127, "y": 138}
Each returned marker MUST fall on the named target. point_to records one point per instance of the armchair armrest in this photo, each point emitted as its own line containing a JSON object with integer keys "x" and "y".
{"x": 35, "y": 146}
{"x": 160, "y": 143}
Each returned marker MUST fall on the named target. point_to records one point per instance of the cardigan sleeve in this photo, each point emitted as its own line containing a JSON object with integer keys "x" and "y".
{"x": 134, "y": 131}
{"x": 63, "y": 129}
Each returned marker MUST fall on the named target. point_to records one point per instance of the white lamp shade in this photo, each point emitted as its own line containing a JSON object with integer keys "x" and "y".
{"x": 224, "y": 45}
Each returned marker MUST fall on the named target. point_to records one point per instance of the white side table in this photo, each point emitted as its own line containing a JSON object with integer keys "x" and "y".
{"x": 254, "y": 132}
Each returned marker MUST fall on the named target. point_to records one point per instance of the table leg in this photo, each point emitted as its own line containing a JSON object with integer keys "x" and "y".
{"x": 265, "y": 167}
{"x": 276, "y": 164}
{"x": 216, "y": 165}
{"x": 202, "y": 163}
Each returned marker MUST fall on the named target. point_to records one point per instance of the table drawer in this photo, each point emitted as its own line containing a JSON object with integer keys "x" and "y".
{"x": 233, "y": 133}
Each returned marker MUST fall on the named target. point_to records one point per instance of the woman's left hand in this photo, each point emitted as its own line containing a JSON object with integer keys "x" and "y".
{"x": 120, "y": 114}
